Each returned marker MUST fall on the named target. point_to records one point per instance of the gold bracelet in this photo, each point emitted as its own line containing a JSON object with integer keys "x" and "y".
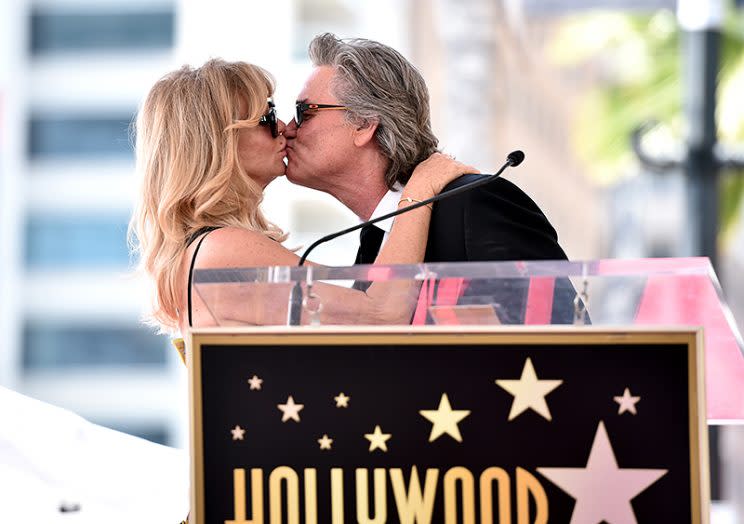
{"x": 412, "y": 200}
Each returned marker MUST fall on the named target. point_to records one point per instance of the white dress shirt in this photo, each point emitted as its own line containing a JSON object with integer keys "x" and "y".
{"x": 387, "y": 204}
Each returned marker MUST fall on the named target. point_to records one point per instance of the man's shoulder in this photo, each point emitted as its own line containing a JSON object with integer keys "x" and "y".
{"x": 464, "y": 179}
{"x": 499, "y": 188}
{"x": 495, "y": 221}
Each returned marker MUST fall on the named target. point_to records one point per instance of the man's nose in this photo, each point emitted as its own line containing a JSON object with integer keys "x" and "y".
{"x": 290, "y": 130}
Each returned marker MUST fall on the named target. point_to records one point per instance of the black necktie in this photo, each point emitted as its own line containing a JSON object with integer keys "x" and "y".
{"x": 370, "y": 240}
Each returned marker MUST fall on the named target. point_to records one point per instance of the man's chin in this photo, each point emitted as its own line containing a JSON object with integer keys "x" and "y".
{"x": 293, "y": 176}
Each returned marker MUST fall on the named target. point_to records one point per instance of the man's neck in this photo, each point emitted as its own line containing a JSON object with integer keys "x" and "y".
{"x": 363, "y": 203}
{"x": 364, "y": 190}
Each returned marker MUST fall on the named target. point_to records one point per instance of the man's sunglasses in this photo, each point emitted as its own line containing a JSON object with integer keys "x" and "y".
{"x": 269, "y": 119}
{"x": 302, "y": 107}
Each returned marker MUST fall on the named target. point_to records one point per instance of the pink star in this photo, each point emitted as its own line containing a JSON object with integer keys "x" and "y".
{"x": 602, "y": 490}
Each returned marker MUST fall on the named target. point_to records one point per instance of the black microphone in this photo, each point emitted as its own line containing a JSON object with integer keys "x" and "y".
{"x": 513, "y": 159}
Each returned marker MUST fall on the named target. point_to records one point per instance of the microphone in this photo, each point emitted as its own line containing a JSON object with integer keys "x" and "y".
{"x": 513, "y": 159}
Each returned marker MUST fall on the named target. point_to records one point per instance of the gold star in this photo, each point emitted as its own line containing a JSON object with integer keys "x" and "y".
{"x": 290, "y": 410}
{"x": 377, "y": 439}
{"x": 237, "y": 433}
{"x": 445, "y": 420}
{"x": 255, "y": 382}
{"x": 325, "y": 442}
{"x": 342, "y": 401}
{"x": 529, "y": 392}
{"x": 627, "y": 402}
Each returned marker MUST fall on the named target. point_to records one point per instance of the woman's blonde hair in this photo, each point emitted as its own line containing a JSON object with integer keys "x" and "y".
{"x": 189, "y": 169}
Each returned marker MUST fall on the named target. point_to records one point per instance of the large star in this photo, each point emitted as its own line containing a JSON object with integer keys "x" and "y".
{"x": 627, "y": 402}
{"x": 602, "y": 490}
{"x": 377, "y": 439}
{"x": 529, "y": 392}
{"x": 290, "y": 410}
{"x": 445, "y": 420}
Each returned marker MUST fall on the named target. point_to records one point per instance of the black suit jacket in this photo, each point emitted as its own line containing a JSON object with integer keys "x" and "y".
{"x": 497, "y": 222}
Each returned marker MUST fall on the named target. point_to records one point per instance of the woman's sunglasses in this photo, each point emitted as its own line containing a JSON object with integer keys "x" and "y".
{"x": 269, "y": 119}
{"x": 303, "y": 107}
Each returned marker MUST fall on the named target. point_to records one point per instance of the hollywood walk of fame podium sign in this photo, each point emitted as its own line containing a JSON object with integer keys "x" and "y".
{"x": 433, "y": 424}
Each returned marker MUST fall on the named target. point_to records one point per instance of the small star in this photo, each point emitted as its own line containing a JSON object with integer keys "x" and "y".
{"x": 342, "y": 401}
{"x": 255, "y": 382}
{"x": 445, "y": 420}
{"x": 377, "y": 439}
{"x": 290, "y": 410}
{"x": 325, "y": 442}
{"x": 627, "y": 402}
{"x": 238, "y": 433}
{"x": 529, "y": 392}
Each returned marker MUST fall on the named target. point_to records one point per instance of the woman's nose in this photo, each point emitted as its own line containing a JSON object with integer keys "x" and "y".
{"x": 280, "y": 126}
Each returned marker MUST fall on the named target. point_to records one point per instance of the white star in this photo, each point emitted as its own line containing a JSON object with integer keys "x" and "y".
{"x": 377, "y": 439}
{"x": 627, "y": 402}
{"x": 325, "y": 442}
{"x": 290, "y": 410}
{"x": 255, "y": 382}
{"x": 342, "y": 401}
{"x": 237, "y": 433}
{"x": 529, "y": 392}
{"x": 444, "y": 420}
{"x": 602, "y": 490}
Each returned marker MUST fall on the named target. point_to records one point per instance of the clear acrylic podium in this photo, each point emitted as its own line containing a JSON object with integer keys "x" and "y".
{"x": 617, "y": 293}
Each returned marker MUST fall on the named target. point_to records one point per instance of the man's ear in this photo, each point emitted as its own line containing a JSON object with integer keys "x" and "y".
{"x": 365, "y": 132}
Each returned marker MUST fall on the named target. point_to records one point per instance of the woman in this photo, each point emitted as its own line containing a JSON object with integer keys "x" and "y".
{"x": 208, "y": 143}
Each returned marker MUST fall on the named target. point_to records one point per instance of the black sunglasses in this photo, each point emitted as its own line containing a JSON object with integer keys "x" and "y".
{"x": 302, "y": 107}
{"x": 269, "y": 119}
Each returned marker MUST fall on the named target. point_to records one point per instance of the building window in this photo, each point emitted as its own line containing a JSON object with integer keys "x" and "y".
{"x": 48, "y": 346}
{"x": 85, "y": 31}
{"x": 76, "y": 242}
{"x": 75, "y": 136}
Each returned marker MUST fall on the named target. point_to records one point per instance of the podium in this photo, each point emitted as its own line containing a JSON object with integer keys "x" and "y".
{"x": 508, "y": 392}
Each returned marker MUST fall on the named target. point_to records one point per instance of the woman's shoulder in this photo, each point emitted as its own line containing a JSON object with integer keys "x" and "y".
{"x": 234, "y": 233}
{"x": 235, "y": 247}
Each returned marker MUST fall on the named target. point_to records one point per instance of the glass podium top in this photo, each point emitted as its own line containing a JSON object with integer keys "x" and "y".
{"x": 642, "y": 292}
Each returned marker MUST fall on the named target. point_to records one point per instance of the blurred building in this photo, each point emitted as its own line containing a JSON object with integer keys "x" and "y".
{"x": 73, "y": 73}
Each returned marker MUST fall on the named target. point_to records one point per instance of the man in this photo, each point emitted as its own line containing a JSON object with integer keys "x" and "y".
{"x": 362, "y": 125}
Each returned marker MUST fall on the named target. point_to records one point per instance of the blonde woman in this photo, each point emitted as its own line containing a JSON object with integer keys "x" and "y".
{"x": 208, "y": 142}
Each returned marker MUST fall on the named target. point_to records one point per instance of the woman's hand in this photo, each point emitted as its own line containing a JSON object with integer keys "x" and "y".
{"x": 433, "y": 174}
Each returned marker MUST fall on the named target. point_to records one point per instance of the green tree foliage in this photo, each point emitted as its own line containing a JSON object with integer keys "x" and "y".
{"x": 637, "y": 61}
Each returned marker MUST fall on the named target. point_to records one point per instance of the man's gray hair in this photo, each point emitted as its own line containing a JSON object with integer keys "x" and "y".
{"x": 378, "y": 84}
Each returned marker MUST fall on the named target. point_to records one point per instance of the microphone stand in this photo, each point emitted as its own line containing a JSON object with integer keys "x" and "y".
{"x": 295, "y": 298}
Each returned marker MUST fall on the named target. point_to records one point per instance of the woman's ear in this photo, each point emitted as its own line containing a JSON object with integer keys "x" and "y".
{"x": 365, "y": 132}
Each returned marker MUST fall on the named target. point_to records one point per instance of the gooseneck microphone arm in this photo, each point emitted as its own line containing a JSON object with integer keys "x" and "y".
{"x": 513, "y": 159}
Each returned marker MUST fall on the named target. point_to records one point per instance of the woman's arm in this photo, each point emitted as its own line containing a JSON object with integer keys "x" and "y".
{"x": 383, "y": 303}
{"x": 406, "y": 243}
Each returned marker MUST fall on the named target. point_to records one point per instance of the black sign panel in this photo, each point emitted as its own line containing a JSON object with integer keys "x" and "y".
{"x": 579, "y": 426}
